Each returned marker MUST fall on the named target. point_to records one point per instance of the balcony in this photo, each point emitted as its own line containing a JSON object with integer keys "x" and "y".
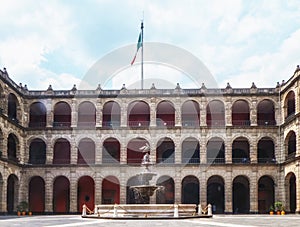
{"x": 266, "y": 122}
{"x": 61, "y": 124}
{"x": 138, "y": 124}
{"x": 190, "y": 124}
{"x": 191, "y": 161}
{"x": 241, "y": 122}
{"x": 164, "y": 124}
{"x": 244, "y": 160}
{"x": 215, "y": 123}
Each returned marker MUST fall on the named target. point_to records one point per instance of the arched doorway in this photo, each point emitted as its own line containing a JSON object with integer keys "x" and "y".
{"x": 190, "y": 114}
{"x": 190, "y": 151}
{"x": 240, "y": 113}
{"x": 86, "y": 115}
{"x": 240, "y": 195}
{"x": 165, "y": 151}
{"x": 110, "y": 190}
{"x": 291, "y": 197}
{"x": 190, "y": 190}
{"x": 165, "y": 114}
{"x": 85, "y": 193}
{"x": 12, "y": 193}
{"x": 36, "y": 194}
{"x": 167, "y": 194}
{"x": 111, "y": 151}
{"x": 37, "y": 152}
{"x": 61, "y": 195}
{"x": 265, "y": 194}
{"x": 130, "y": 194}
{"x": 215, "y": 194}
{"x": 86, "y": 152}
{"x": 134, "y": 152}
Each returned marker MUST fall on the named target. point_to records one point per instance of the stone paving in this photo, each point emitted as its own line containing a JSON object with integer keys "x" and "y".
{"x": 217, "y": 220}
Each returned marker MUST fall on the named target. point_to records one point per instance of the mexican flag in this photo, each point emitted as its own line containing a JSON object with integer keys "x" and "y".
{"x": 139, "y": 44}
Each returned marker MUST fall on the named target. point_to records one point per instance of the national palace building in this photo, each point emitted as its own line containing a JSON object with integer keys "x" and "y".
{"x": 235, "y": 148}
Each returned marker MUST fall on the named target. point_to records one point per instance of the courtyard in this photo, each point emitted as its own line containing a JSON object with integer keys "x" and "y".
{"x": 217, "y": 220}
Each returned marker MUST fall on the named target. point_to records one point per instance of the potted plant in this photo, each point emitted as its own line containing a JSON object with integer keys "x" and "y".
{"x": 282, "y": 211}
{"x": 271, "y": 210}
{"x": 23, "y": 207}
{"x": 278, "y": 207}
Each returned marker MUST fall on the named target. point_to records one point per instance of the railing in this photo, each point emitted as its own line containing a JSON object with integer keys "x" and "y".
{"x": 291, "y": 156}
{"x": 215, "y": 123}
{"x": 241, "y": 160}
{"x": 190, "y": 123}
{"x": 161, "y": 124}
{"x": 266, "y": 122}
{"x": 139, "y": 124}
{"x": 215, "y": 160}
{"x": 241, "y": 122}
{"x": 266, "y": 160}
{"x": 37, "y": 124}
{"x": 190, "y": 160}
{"x": 111, "y": 124}
{"x": 111, "y": 161}
{"x": 86, "y": 124}
{"x": 61, "y": 124}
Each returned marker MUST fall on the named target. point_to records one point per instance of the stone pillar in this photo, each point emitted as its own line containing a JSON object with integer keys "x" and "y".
{"x": 228, "y": 191}
{"x": 228, "y": 111}
{"x": 178, "y": 120}
{"x": 3, "y": 195}
{"x": 203, "y": 188}
{"x": 50, "y": 115}
{"x": 98, "y": 188}
{"x": 152, "y": 113}
{"x": 152, "y": 151}
{"x": 99, "y": 115}
{"x": 203, "y": 148}
{"x": 73, "y": 191}
{"x": 74, "y": 113}
{"x": 203, "y": 104}
{"x": 177, "y": 151}
{"x": 4, "y": 146}
{"x": 49, "y": 150}
{"x": 253, "y": 191}
{"x": 74, "y": 152}
{"x": 124, "y": 114}
{"x": 177, "y": 188}
{"x": 123, "y": 154}
{"x": 253, "y": 152}
{"x": 98, "y": 152}
{"x": 253, "y": 113}
{"x": 48, "y": 191}
{"x": 228, "y": 150}
{"x": 297, "y": 173}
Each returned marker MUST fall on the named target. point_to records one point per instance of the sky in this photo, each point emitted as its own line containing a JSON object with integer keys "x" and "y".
{"x": 57, "y": 42}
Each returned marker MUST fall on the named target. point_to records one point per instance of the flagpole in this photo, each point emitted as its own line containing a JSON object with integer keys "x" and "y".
{"x": 142, "y": 62}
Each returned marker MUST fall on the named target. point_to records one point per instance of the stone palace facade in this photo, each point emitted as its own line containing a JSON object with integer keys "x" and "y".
{"x": 237, "y": 149}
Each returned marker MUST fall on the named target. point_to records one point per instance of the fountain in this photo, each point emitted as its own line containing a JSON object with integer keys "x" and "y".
{"x": 142, "y": 207}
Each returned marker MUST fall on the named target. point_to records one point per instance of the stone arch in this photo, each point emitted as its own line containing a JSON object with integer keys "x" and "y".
{"x": 12, "y": 193}
{"x": 37, "y": 151}
{"x": 37, "y": 115}
{"x": 61, "y": 195}
{"x": 215, "y": 194}
{"x": 110, "y": 190}
{"x": 266, "y": 195}
{"x": 85, "y": 193}
{"x": 62, "y": 151}
{"x": 240, "y": 113}
{"x": 13, "y": 107}
{"x": 62, "y": 115}
{"x": 165, "y": 114}
{"x": 86, "y": 151}
{"x": 190, "y": 190}
{"x": 167, "y": 194}
{"x": 134, "y": 153}
{"x": 266, "y": 150}
{"x": 215, "y": 150}
{"x": 215, "y": 114}
{"x": 290, "y": 104}
{"x": 138, "y": 114}
{"x": 290, "y": 145}
{"x": 12, "y": 147}
{"x": 36, "y": 194}
{"x": 241, "y": 150}
{"x": 266, "y": 112}
{"x": 86, "y": 114}
{"x": 190, "y": 151}
{"x": 111, "y": 114}
{"x": 165, "y": 150}
{"x": 111, "y": 150}
{"x": 241, "y": 195}
{"x": 190, "y": 114}
{"x": 291, "y": 193}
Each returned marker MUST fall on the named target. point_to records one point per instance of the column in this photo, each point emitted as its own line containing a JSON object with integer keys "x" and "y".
{"x": 152, "y": 113}
{"x": 50, "y": 116}
{"x": 228, "y": 150}
{"x": 99, "y": 113}
{"x": 98, "y": 188}
{"x": 203, "y": 104}
{"x": 177, "y": 188}
{"x": 74, "y": 113}
{"x": 48, "y": 191}
{"x": 49, "y": 150}
{"x": 124, "y": 114}
{"x": 253, "y": 191}
{"x": 228, "y": 111}
{"x": 228, "y": 191}
{"x": 203, "y": 189}
{"x": 73, "y": 191}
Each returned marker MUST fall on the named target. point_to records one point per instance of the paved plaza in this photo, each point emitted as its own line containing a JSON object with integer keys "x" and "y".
{"x": 217, "y": 220}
